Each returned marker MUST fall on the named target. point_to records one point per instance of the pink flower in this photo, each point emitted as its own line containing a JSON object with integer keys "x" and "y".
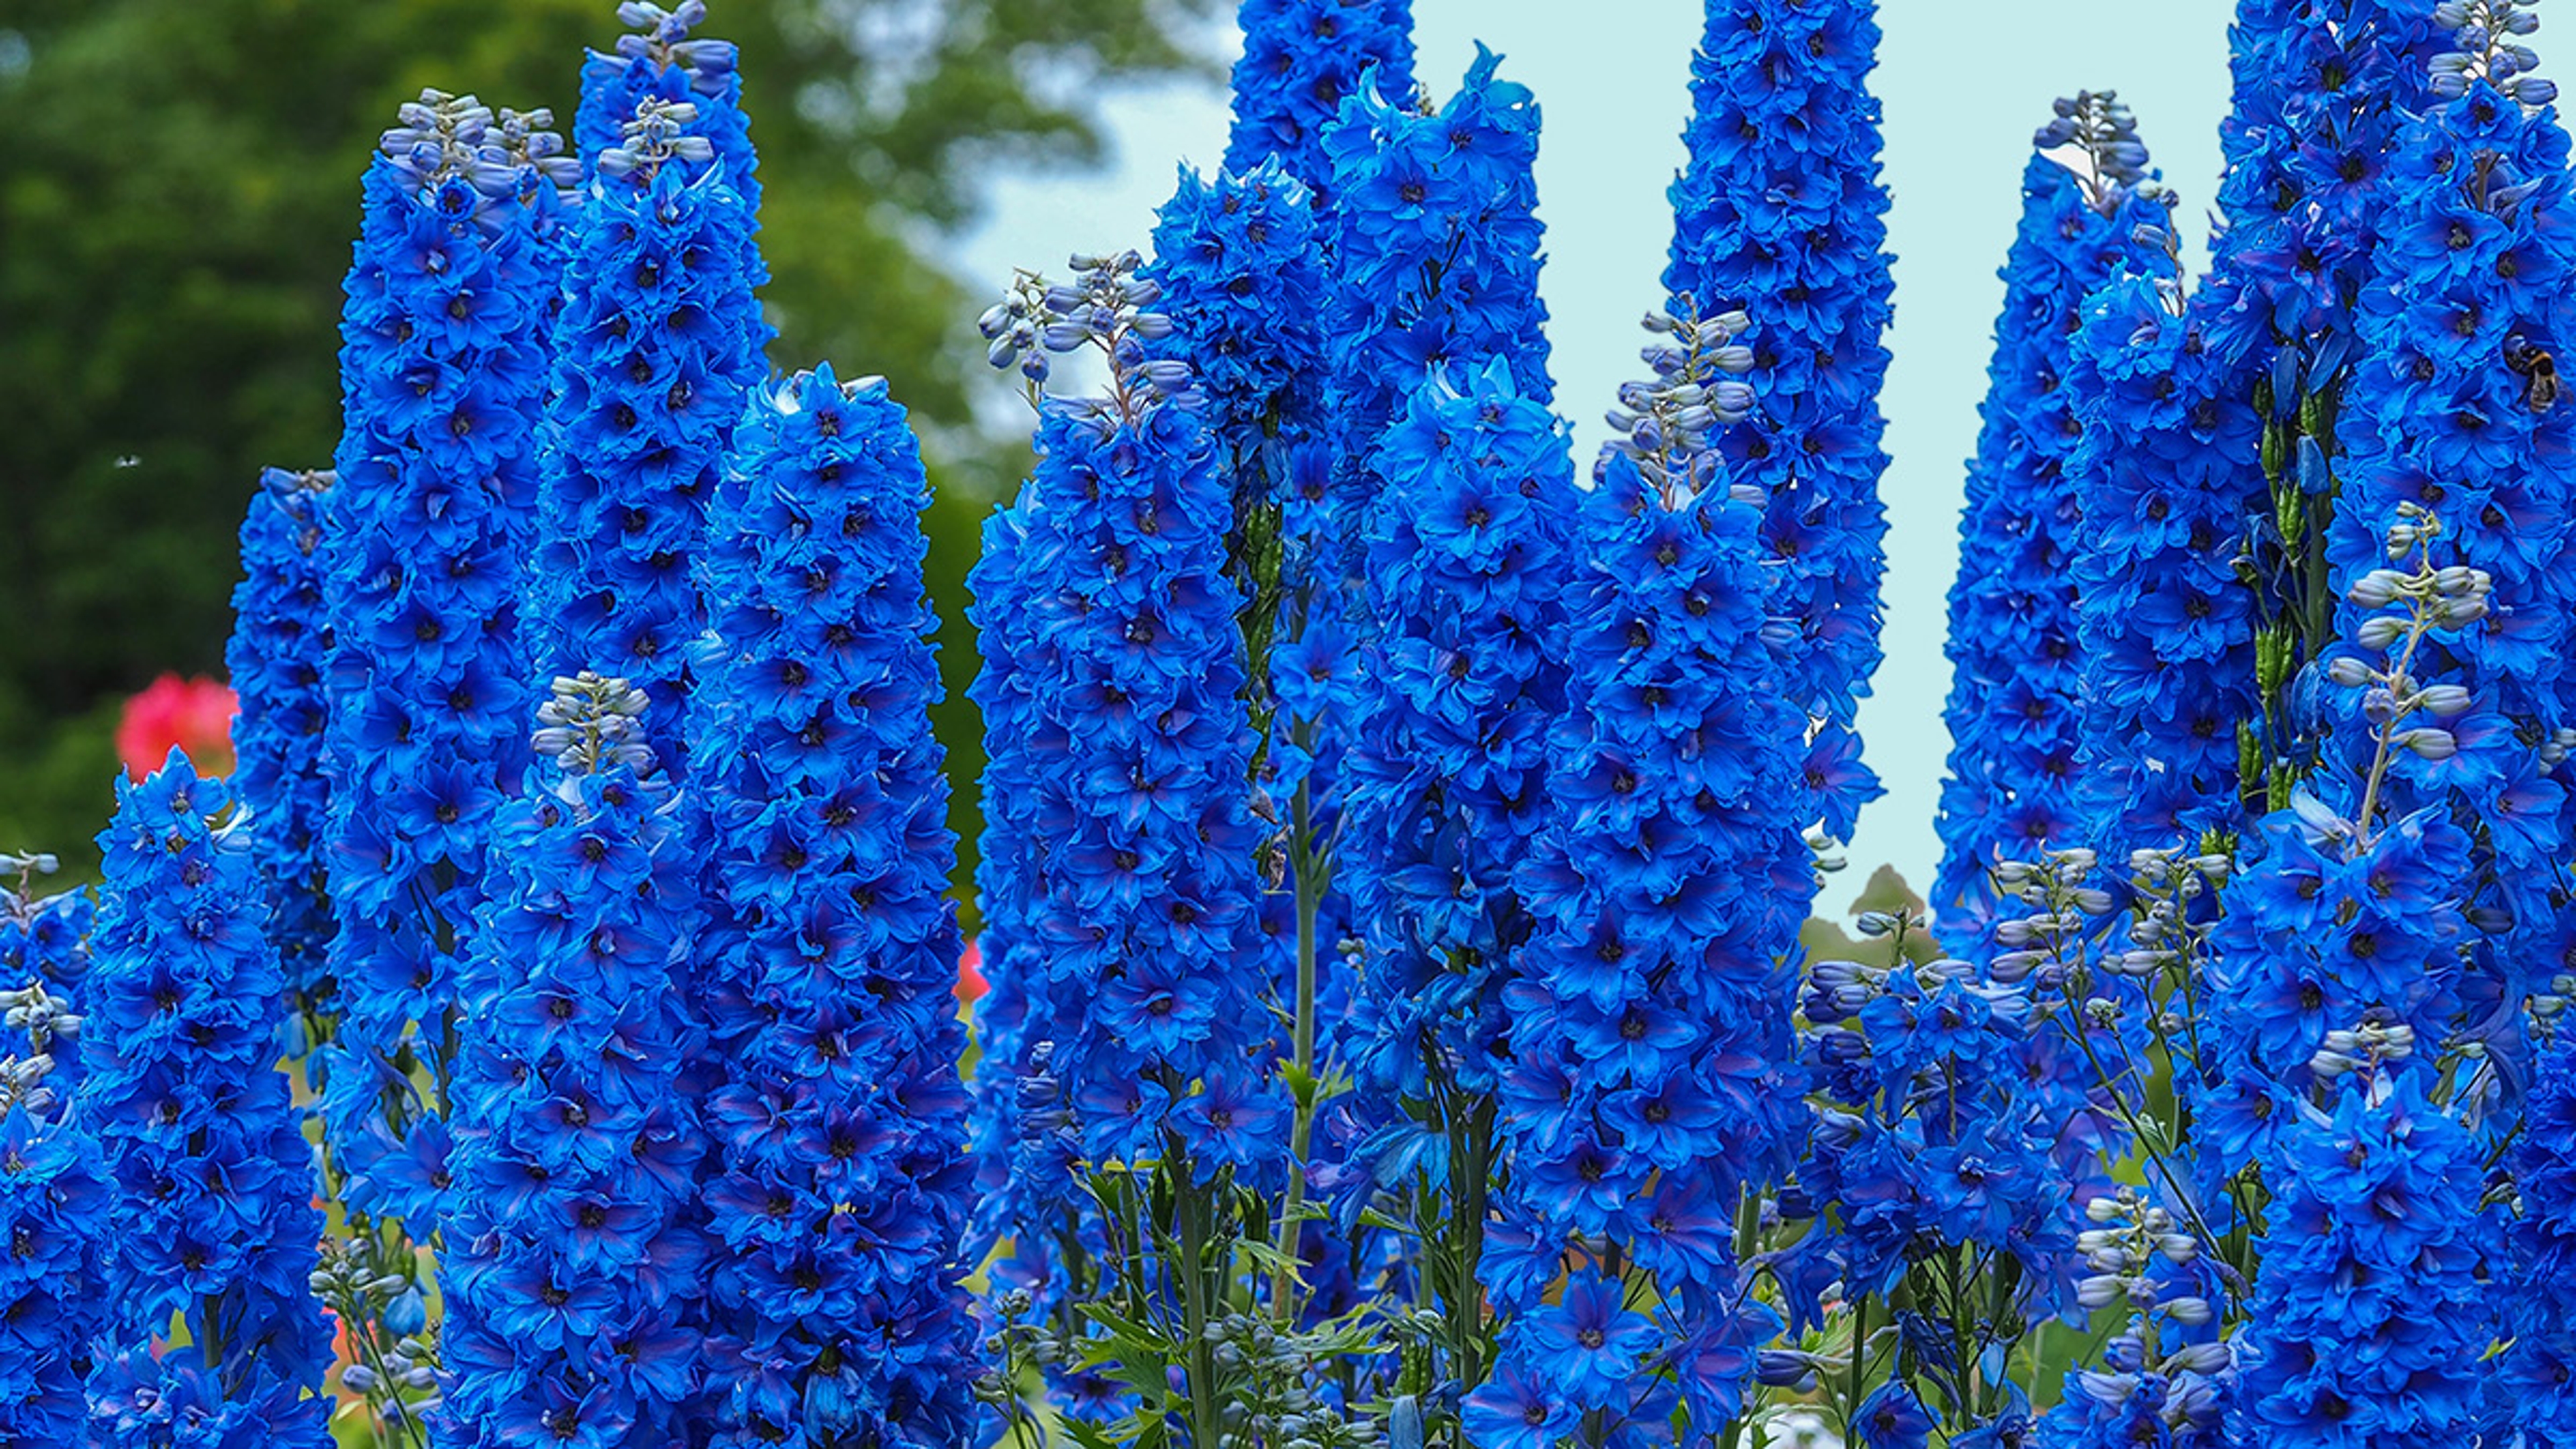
{"x": 196, "y": 715}
{"x": 970, "y": 973}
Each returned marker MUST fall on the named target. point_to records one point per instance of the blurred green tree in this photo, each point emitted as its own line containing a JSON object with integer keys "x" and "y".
{"x": 177, "y": 196}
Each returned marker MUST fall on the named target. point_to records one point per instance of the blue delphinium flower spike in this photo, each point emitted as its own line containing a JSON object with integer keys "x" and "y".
{"x": 1301, "y": 60}
{"x": 1780, "y": 213}
{"x": 1652, "y": 1077}
{"x": 279, "y": 648}
{"x": 2454, "y": 406}
{"x": 1468, "y": 578}
{"x": 2164, "y": 478}
{"x": 656, "y": 351}
{"x": 55, "y": 1201}
{"x": 213, "y": 1180}
{"x": 1435, "y": 256}
{"x": 2015, "y": 665}
{"x": 443, "y": 378}
{"x": 841, "y": 1125}
{"x": 1129, "y": 982}
{"x": 571, "y": 1263}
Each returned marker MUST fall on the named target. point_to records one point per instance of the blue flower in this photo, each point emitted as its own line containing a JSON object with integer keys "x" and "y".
{"x": 1780, "y": 213}
{"x": 569, "y": 1241}
{"x": 2013, "y": 709}
{"x": 280, "y": 645}
{"x": 420, "y": 536}
{"x": 1302, "y": 60}
{"x": 832, "y": 999}
{"x": 213, "y": 1181}
{"x": 657, "y": 348}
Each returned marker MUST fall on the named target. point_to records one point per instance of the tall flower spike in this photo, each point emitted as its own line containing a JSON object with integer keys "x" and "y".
{"x": 2164, "y": 479}
{"x": 442, "y": 381}
{"x": 1302, "y": 59}
{"x": 54, "y": 1206}
{"x": 2454, "y": 406}
{"x": 1135, "y": 1023}
{"x": 281, "y": 643}
{"x": 1435, "y": 262}
{"x": 656, "y": 352}
{"x": 1650, "y": 883}
{"x": 571, "y": 1264}
{"x": 659, "y": 61}
{"x": 2015, "y": 665}
{"x": 836, "y": 957}
{"x": 2321, "y": 91}
{"x": 1780, "y": 214}
{"x": 1468, "y": 575}
{"x": 213, "y": 1180}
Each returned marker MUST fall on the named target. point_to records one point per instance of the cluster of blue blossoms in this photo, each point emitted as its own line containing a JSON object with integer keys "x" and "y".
{"x": 215, "y": 1224}
{"x": 840, "y": 1127}
{"x": 2016, "y": 665}
{"x": 450, "y": 301}
{"x": 279, "y": 646}
{"x": 1780, "y": 213}
{"x": 1396, "y": 849}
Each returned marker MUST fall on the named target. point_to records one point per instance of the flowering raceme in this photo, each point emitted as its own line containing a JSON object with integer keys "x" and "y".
{"x": 2013, "y": 710}
{"x": 841, "y": 1125}
{"x": 213, "y": 1182}
{"x": 656, "y": 351}
{"x": 2453, "y": 406}
{"x": 1302, "y": 59}
{"x": 1780, "y": 213}
{"x": 443, "y": 376}
{"x": 2164, "y": 476}
{"x": 1468, "y": 571}
{"x": 1651, "y": 1080}
{"x": 279, "y": 648}
{"x": 1435, "y": 258}
{"x": 570, "y": 1262}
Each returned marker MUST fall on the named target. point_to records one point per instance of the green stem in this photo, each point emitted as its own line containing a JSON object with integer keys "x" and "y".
{"x": 1191, "y": 1207}
{"x": 1310, "y": 899}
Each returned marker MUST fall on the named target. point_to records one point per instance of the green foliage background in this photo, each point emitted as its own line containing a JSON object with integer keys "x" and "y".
{"x": 178, "y": 192}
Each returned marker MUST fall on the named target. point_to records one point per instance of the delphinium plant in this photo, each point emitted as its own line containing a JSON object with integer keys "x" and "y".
{"x": 443, "y": 378}
{"x": 2164, "y": 471}
{"x": 1652, "y": 1091}
{"x": 839, "y": 1133}
{"x": 2013, "y": 708}
{"x": 2320, "y": 93}
{"x": 1469, "y": 567}
{"x": 210, "y": 1332}
{"x": 1144, "y": 1081}
{"x": 279, "y": 649}
{"x": 571, "y": 1260}
{"x": 1780, "y": 213}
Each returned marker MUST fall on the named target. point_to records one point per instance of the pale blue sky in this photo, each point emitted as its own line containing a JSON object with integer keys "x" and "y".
{"x": 1964, "y": 83}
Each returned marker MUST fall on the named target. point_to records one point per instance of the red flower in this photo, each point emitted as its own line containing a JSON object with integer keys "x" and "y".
{"x": 194, "y": 714}
{"x": 970, "y": 973}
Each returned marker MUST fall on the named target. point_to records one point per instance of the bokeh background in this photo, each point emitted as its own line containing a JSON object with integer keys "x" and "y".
{"x": 179, "y": 185}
